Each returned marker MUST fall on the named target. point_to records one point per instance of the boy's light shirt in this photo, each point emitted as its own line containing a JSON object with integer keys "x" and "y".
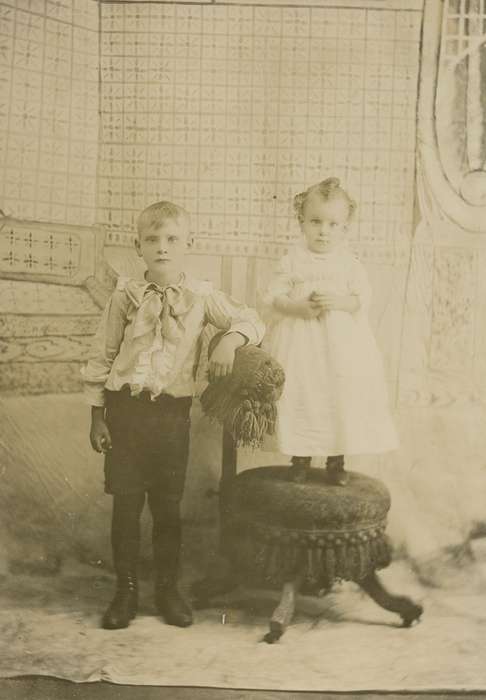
{"x": 149, "y": 337}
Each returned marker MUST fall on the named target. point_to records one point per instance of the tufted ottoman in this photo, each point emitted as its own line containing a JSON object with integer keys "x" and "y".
{"x": 302, "y": 537}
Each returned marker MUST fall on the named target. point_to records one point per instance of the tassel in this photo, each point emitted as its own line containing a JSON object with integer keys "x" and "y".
{"x": 340, "y": 560}
{"x": 315, "y": 566}
{"x": 373, "y": 552}
{"x": 352, "y": 570}
{"x": 385, "y": 551}
{"x": 319, "y": 567}
{"x": 363, "y": 556}
{"x": 330, "y": 564}
{"x": 245, "y": 400}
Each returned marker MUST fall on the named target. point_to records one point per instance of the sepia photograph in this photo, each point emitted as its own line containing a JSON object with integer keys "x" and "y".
{"x": 242, "y": 349}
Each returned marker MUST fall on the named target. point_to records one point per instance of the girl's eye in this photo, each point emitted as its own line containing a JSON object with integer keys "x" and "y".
{"x": 172, "y": 239}
{"x": 315, "y": 221}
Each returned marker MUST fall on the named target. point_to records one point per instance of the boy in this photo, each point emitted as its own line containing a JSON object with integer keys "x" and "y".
{"x": 140, "y": 384}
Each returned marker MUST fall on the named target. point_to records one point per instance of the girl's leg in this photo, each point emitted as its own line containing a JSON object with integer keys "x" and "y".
{"x": 298, "y": 470}
{"x": 335, "y": 470}
{"x": 125, "y": 539}
{"x": 166, "y": 538}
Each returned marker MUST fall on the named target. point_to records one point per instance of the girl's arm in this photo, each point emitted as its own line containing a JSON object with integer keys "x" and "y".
{"x": 359, "y": 296}
{"x": 359, "y": 285}
{"x": 277, "y": 296}
{"x": 337, "y": 302}
{"x": 299, "y": 308}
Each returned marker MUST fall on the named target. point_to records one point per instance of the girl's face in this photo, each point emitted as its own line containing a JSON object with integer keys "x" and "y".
{"x": 324, "y": 223}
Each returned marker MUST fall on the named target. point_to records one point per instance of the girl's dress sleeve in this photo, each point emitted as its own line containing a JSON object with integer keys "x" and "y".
{"x": 280, "y": 284}
{"x": 359, "y": 284}
{"x": 105, "y": 348}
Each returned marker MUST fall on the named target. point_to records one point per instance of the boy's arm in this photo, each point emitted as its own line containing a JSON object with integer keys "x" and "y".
{"x": 105, "y": 348}
{"x": 242, "y": 325}
{"x": 234, "y": 317}
{"x": 99, "y": 433}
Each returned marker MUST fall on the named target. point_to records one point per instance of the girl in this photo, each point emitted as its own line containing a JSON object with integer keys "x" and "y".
{"x": 334, "y": 401}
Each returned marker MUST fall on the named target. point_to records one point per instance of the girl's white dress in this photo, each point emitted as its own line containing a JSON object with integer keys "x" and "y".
{"x": 335, "y": 398}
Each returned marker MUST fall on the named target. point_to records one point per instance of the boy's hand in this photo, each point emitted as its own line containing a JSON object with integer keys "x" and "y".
{"x": 336, "y": 302}
{"x": 223, "y": 356}
{"x": 99, "y": 434}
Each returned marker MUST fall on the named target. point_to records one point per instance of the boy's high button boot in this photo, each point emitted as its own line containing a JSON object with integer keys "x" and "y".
{"x": 166, "y": 537}
{"x": 172, "y": 606}
{"x": 123, "y": 608}
{"x": 125, "y": 535}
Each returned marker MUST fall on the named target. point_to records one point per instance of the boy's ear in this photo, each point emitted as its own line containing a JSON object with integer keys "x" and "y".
{"x": 137, "y": 246}
{"x": 190, "y": 241}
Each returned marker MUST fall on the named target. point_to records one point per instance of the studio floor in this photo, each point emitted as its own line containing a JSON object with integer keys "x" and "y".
{"x": 54, "y": 689}
{"x": 49, "y": 627}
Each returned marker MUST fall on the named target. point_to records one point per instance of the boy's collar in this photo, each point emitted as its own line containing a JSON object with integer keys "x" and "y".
{"x": 161, "y": 287}
{"x": 137, "y": 290}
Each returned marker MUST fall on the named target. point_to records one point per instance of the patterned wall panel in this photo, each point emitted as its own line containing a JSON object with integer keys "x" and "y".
{"x": 49, "y": 109}
{"x": 47, "y": 252}
{"x": 51, "y": 290}
{"x": 453, "y": 309}
{"x": 45, "y": 336}
{"x": 231, "y": 110}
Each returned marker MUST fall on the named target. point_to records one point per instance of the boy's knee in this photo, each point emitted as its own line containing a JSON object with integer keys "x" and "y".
{"x": 165, "y": 504}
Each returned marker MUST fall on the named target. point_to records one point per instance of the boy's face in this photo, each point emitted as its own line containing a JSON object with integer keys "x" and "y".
{"x": 324, "y": 223}
{"x": 163, "y": 249}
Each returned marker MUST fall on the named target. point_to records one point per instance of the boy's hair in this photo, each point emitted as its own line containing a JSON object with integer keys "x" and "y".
{"x": 153, "y": 217}
{"x": 327, "y": 189}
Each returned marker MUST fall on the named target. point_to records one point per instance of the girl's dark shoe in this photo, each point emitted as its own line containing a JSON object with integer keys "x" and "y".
{"x": 298, "y": 470}
{"x": 335, "y": 472}
{"x": 123, "y": 608}
{"x": 172, "y": 606}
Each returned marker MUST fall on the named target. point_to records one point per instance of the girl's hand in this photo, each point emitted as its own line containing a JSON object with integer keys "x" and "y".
{"x": 300, "y": 308}
{"x": 99, "y": 435}
{"x": 336, "y": 302}
{"x": 223, "y": 356}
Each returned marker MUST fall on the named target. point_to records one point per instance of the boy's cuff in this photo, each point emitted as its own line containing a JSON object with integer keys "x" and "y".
{"x": 94, "y": 397}
{"x": 247, "y": 330}
{"x": 231, "y": 332}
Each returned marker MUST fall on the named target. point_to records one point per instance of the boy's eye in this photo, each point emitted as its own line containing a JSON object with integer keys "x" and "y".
{"x": 315, "y": 221}
{"x": 172, "y": 239}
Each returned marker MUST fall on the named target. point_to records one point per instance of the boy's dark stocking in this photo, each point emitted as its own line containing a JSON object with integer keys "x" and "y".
{"x": 125, "y": 539}
{"x": 166, "y": 537}
{"x": 335, "y": 470}
{"x": 298, "y": 470}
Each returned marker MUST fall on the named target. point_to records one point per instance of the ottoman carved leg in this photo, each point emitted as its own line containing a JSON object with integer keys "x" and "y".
{"x": 405, "y": 607}
{"x": 284, "y": 612}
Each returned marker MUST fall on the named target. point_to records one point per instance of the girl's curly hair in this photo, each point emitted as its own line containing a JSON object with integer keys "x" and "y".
{"x": 327, "y": 189}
